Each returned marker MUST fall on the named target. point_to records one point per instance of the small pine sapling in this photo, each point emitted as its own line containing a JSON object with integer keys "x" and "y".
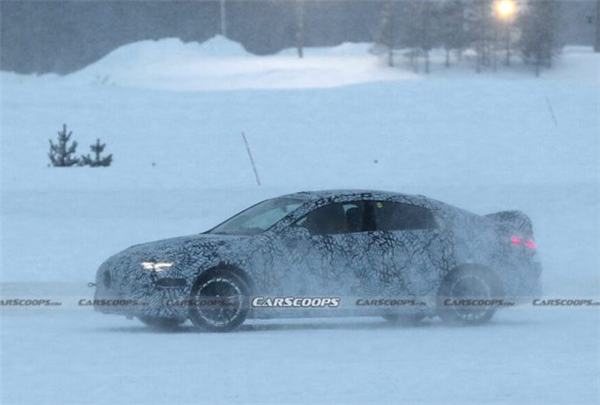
{"x": 62, "y": 154}
{"x": 97, "y": 160}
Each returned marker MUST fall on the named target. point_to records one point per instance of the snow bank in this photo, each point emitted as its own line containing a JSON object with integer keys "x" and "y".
{"x": 221, "y": 64}
{"x": 576, "y": 62}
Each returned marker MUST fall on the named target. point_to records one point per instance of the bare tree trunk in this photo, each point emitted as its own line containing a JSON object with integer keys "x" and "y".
{"x": 507, "y": 28}
{"x": 416, "y": 62}
{"x": 391, "y": 41}
{"x": 597, "y": 40}
{"x": 493, "y": 50}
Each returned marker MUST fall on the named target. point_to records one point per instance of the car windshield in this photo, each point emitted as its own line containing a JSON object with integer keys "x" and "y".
{"x": 257, "y": 218}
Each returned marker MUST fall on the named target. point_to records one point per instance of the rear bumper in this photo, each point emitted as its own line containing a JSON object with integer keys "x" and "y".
{"x": 528, "y": 285}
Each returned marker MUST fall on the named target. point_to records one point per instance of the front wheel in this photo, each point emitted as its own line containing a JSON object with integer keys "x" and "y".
{"x": 219, "y": 302}
{"x": 467, "y": 297}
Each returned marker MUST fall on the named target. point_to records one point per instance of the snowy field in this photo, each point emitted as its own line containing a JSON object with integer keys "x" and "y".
{"x": 172, "y": 114}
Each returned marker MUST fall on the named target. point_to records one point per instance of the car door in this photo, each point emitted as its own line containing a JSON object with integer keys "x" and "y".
{"x": 407, "y": 251}
{"x": 321, "y": 251}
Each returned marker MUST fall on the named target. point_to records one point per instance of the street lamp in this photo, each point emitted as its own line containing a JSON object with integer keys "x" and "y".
{"x": 505, "y": 11}
{"x": 223, "y": 18}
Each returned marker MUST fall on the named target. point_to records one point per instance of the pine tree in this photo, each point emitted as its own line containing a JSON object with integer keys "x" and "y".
{"x": 62, "y": 154}
{"x": 481, "y": 26}
{"x": 453, "y": 32}
{"x": 418, "y": 26}
{"x": 387, "y": 36}
{"x": 97, "y": 160}
{"x": 427, "y": 16}
{"x": 420, "y": 33}
{"x": 538, "y": 42}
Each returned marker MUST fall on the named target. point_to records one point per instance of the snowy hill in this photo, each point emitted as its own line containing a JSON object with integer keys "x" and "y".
{"x": 220, "y": 64}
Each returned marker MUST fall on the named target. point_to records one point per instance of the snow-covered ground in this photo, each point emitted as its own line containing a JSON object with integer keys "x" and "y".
{"x": 172, "y": 114}
{"x": 523, "y": 357}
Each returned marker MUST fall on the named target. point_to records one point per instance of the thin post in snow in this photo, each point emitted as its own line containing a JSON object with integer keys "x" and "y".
{"x": 223, "y": 18}
{"x": 551, "y": 111}
{"x": 251, "y": 159}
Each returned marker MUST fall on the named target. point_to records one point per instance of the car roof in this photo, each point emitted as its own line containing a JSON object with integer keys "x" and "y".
{"x": 326, "y": 194}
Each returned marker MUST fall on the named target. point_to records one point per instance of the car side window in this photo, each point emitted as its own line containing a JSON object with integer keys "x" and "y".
{"x": 336, "y": 218}
{"x": 393, "y": 216}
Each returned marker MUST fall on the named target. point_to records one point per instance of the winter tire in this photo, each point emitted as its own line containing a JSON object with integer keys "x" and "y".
{"x": 219, "y": 302}
{"x": 466, "y": 297}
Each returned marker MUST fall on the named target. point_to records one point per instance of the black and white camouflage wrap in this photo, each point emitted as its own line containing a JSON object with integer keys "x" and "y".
{"x": 282, "y": 262}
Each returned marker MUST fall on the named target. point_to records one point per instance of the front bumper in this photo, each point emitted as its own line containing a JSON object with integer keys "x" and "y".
{"x": 133, "y": 292}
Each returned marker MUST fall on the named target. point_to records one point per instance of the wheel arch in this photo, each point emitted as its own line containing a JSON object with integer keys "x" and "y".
{"x": 225, "y": 267}
{"x": 477, "y": 267}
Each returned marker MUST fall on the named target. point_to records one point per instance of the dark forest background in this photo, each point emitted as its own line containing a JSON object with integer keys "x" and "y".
{"x": 64, "y": 36}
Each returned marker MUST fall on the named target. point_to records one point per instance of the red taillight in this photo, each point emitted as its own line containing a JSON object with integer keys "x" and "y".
{"x": 530, "y": 243}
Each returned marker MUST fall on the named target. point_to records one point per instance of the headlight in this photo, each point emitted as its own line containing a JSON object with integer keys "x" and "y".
{"x": 156, "y": 266}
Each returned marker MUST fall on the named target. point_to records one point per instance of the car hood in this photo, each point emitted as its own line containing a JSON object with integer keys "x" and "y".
{"x": 184, "y": 251}
{"x": 177, "y": 257}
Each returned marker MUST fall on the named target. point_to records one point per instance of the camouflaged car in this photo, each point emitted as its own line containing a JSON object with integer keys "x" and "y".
{"x": 329, "y": 253}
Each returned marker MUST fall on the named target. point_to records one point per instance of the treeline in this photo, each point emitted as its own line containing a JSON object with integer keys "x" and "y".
{"x": 492, "y": 31}
{"x": 64, "y": 36}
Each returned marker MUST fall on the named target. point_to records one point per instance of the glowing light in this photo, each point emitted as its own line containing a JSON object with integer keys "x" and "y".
{"x": 156, "y": 266}
{"x": 530, "y": 243}
{"x": 505, "y": 9}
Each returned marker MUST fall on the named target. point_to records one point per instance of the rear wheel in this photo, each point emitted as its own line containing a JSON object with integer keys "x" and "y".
{"x": 467, "y": 296}
{"x": 219, "y": 302}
